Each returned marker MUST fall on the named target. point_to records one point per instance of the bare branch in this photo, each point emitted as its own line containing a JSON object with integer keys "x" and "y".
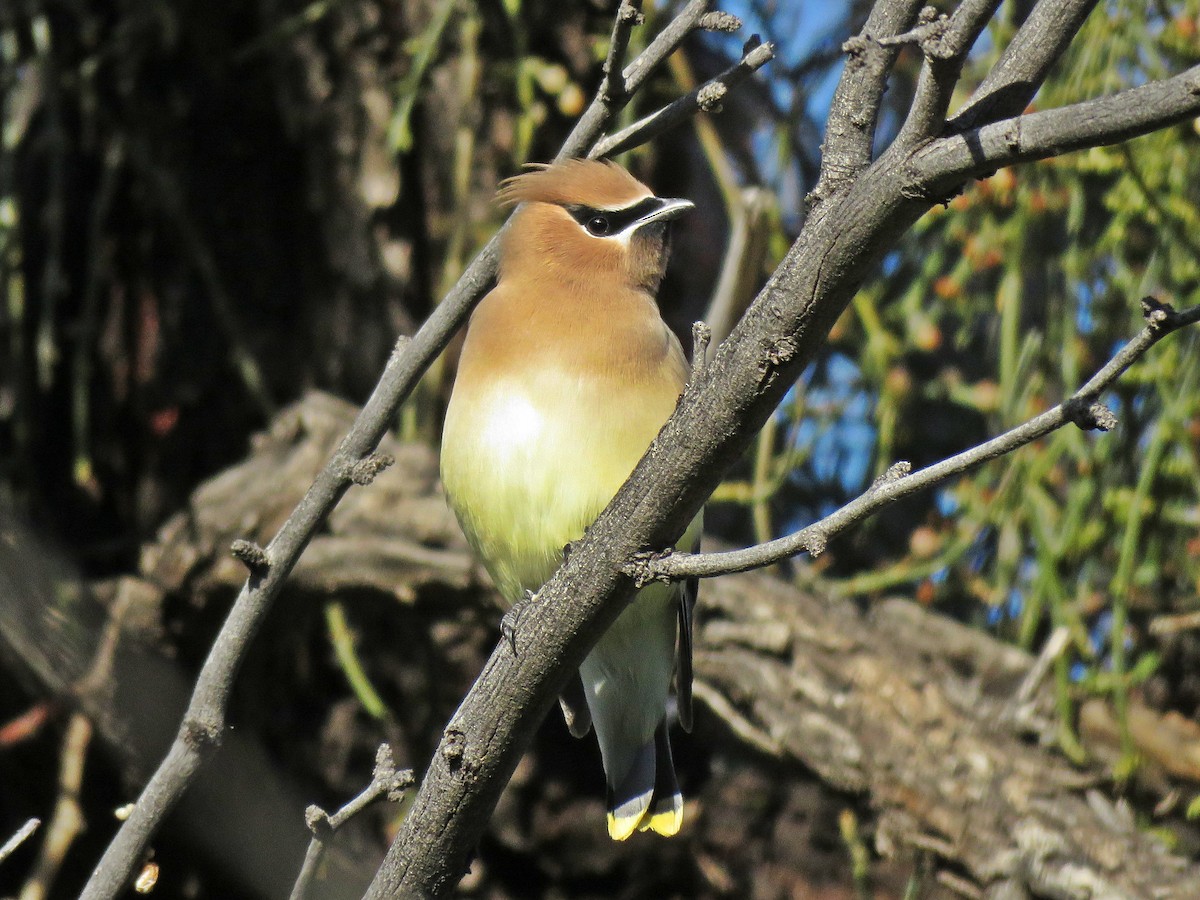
{"x": 945, "y": 43}
{"x": 850, "y": 129}
{"x": 942, "y": 164}
{"x": 701, "y": 337}
{"x": 1161, "y": 321}
{"x": 706, "y": 97}
{"x": 1021, "y": 69}
{"x": 666, "y": 42}
{"x": 604, "y": 105}
{"x": 629, "y": 14}
{"x": 67, "y": 821}
{"x": 386, "y": 783}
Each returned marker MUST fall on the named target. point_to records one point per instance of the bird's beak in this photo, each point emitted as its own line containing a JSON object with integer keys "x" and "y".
{"x": 667, "y": 208}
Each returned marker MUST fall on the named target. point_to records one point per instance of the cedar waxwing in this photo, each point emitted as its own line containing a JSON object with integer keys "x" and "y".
{"x": 566, "y": 375}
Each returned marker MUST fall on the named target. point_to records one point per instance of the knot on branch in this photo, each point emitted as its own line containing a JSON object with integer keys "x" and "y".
{"x": 454, "y": 747}
{"x": 391, "y": 782}
{"x": 856, "y": 48}
{"x": 200, "y": 733}
{"x": 317, "y": 821}
{"x": 720, "y": 21}
{"x": 781, "y": 351}
{"x": 644, "y": 567}
{"x": 364, "y": 471}
{"x": 1091, "y": 416}
{"x": 815, "y": 541}
{"x": 629, "y": 14}
{"x": 709, "y": 97}
{"x": 399, "y": 783}
{"x": 1012, "y": 135}
{"x": 252, "y": 556}
{"x": 1156, "y": 313}
{"x": 895, "y": 472}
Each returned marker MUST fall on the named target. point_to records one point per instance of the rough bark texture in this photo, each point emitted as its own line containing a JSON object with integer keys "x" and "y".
{"x": 921, "y": 713}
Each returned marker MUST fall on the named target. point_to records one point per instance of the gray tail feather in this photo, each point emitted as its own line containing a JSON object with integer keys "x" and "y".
{"x": 667, "y": 795}
{"x": 648, "y": 797}
{"x": 629, "y": 800}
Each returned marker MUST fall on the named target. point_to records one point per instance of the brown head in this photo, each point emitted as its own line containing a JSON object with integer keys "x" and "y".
{"x": 586, "y": 221}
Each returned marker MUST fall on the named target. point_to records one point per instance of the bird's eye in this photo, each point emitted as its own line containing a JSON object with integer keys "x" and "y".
{"x": 598, "y": 226}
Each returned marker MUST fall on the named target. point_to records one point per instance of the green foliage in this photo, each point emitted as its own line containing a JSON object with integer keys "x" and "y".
{"x": 1037, "y": 274}
{"x": 998, "y": 306}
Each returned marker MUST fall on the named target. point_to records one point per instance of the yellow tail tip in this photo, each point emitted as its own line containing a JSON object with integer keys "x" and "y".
{"x": 621, "y": 827}
{"x": 666, "y": 823}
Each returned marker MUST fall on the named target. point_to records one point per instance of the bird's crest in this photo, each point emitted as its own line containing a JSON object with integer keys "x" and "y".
{"x": 600, "y": 184}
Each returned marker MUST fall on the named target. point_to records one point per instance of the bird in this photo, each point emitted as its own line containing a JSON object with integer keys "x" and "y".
{"x": 566, "y": 375}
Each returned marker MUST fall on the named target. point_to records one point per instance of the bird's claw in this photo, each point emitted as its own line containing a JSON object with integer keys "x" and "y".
{"x": 511, "y": 619}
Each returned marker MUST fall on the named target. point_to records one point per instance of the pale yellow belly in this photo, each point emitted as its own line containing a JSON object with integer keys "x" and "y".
{"x": 528, "y": 467}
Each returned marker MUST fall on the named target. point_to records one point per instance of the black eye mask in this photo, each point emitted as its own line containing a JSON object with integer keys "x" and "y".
{"x": 617, "y": 219}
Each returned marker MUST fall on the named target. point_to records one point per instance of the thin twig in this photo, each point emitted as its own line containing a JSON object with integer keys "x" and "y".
{"x": 386, "y": 783}
{"x": 665, "y": 43}
{"x": 930, "y": 29}
{"x": 22, "y": 835}
{"x": 603, "y": 108}
{"x": 1059, "y": 640}
{"x": 701, "y": 338}
{"x": 1080, "y": 408}
{"x": 1164, "y": 626}
{"x": 67, "y": 820}
{"x": 629, "y": 15}
{"x": 707, "y": 97}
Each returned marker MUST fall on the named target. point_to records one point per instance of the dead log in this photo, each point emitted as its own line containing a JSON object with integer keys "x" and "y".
{"x": 922, "y": 717}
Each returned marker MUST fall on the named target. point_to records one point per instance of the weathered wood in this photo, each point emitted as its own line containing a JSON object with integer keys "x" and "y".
{"x": 901, "y": 705}
{"x": 918, "y": 712}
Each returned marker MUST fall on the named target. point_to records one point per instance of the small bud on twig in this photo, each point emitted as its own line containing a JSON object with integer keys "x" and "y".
{"x": 252, "y": 556}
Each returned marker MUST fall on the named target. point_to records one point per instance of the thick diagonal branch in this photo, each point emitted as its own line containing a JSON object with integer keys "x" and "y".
{"x": 716, "y": 418}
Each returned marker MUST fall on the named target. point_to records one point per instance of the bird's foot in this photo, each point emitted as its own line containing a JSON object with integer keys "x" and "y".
{"x": 512, "y": 618}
